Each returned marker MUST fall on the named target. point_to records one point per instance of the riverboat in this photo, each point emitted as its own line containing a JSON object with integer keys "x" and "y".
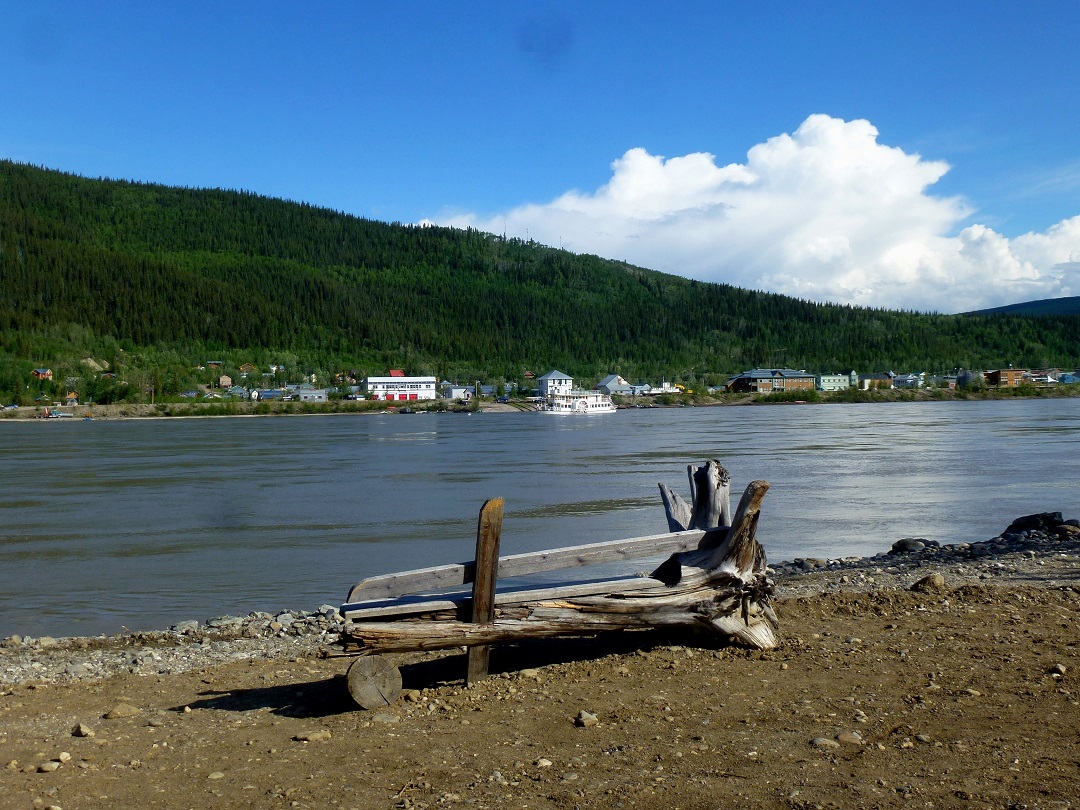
{"x": 578, "y": 402}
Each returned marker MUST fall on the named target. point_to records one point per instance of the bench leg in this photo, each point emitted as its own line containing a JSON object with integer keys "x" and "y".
{"x": 373, "y": 682}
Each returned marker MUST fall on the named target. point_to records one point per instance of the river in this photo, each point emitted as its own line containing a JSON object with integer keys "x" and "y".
{"x": 141, "y": 523}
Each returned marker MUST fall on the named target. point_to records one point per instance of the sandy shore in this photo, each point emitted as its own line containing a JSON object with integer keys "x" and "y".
{"x": 962, "y": 693}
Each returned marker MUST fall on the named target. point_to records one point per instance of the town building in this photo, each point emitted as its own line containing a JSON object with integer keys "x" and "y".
{"x": 869, "y": 382}
{"x": 398, "y": 388}
{"x": 1005, "y": 377}
{"x": 449, "y": 390}
{"x": 837, "y": 382}
{"x": 555, "y": 383}
{"x": 772, "y": 380}
{"x": 614, "y": 384}
{"x": 909, "y": 380}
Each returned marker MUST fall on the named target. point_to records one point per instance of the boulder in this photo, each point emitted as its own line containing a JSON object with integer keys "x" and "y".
{"x": 1038, "y": 521}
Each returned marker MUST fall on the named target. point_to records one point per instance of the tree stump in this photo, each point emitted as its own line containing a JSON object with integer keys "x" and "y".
{"x": 373, "y": 682}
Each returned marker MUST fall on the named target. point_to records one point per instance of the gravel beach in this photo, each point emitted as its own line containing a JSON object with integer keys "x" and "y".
{"x": 924, "y": 676}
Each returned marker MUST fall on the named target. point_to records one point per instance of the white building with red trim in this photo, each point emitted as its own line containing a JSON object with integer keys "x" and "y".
{"x": 398, "y": 388}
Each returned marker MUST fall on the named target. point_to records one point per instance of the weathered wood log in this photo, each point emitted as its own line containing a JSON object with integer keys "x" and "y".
{"x": 710, "y": 486}
{"x": 739, "y": 554}
{"x": 721, "y": 585}
{"x": 728, "y": 609}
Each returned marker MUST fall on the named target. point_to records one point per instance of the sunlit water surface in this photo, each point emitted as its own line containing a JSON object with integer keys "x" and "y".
{"x": 139, "y": 524}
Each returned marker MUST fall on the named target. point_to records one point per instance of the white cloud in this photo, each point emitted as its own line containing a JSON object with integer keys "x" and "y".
{"x": 826, "y": 213}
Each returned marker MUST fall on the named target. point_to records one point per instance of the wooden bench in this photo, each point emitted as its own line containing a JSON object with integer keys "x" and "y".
{"x": 714, "y": 576}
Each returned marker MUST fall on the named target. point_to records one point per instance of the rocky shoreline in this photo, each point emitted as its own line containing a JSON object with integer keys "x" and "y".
{"x": 1039, "y": 549}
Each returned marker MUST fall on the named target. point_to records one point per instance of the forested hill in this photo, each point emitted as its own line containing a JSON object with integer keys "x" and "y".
{"x": 1045, "y": 306}
{"x": 90, "y": 265}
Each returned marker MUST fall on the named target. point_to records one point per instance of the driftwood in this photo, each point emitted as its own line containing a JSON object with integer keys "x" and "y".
{"x": 714, "y": 579}
{"x": 709, "y": 496}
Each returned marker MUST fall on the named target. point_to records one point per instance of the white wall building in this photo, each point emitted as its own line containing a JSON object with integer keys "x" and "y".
{"x": 837, "y": 382}
{"x": 400, "y": 389}
{"x": 555, "y": 383}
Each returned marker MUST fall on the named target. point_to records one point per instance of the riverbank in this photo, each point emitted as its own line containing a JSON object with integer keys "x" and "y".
{"x": 244, "y": 408}
{"x": 928, "y": 676}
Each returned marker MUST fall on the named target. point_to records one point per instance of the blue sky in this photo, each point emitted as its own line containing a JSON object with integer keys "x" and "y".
{"x": 918, "y": 155}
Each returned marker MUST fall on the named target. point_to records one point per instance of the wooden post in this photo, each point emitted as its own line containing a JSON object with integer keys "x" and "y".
{"x": 488, "y": 532}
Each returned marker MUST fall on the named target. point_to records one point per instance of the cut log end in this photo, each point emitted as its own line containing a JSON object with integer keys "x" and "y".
{"x": 373, "y": 682}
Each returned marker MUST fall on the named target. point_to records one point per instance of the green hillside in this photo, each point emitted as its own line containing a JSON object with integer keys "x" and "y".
{"x": 152, "y": 280}
{"x": 1046, "y": 306}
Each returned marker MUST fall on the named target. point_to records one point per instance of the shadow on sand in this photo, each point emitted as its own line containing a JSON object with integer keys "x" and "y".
{"x": 329, "y": 696}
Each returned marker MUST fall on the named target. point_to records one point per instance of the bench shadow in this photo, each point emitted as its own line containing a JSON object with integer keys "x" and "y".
{"x": 330, "y": 696}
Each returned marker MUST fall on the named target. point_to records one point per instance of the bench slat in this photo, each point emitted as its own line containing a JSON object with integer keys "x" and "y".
{"x": 533, "y": 562}
{"x": 423, "y": 603}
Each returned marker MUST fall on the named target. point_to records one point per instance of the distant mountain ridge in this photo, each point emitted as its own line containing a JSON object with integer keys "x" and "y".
{"x": 1047, "y": 306}
{"x": 158, "y": 279}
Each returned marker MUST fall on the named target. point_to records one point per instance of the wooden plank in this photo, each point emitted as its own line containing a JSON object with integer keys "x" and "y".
{"x": 533, "y": 562}
{"x": 488, "y": 532}
{"x": 416, "y": 605}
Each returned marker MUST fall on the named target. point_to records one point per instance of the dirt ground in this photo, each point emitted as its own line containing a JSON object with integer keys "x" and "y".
{"x": 967, "y": 697}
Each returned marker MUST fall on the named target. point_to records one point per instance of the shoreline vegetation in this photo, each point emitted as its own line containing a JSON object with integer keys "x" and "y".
{"x": 244, "y": 408}
{"x": 922, "y": 676}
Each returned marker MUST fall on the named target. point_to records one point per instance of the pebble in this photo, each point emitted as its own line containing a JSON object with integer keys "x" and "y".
{"x": 82, "y": 730}
{"x": 824, "y": 743}
{"x": 850, "y": 738}
{"x": 122, "y": 710}
{"x": 48, "y": 767}
{"x": 586, "y": 719}
{"x": 931, "y": 583}
{"x": 321, "y": 735}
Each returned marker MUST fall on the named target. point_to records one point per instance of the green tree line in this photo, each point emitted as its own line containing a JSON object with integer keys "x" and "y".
{"x": 159, "y": 278}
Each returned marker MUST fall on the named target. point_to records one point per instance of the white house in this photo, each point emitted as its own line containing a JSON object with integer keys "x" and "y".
{"x": 399, "y": 388}
{"x": 455, "y": 391}
{"x": 555, "y": 383}
{"x": 312, "y": 394}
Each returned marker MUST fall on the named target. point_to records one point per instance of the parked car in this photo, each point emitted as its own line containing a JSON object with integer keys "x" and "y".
{"x": 503, "y": 399}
